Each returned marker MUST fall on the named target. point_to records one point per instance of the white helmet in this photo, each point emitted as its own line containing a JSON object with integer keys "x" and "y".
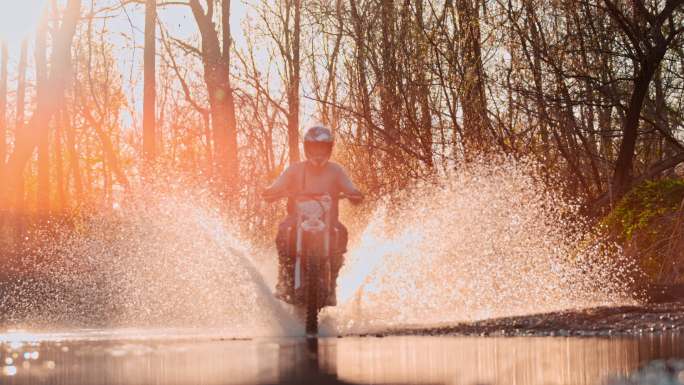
{"x": 318, "y": 139}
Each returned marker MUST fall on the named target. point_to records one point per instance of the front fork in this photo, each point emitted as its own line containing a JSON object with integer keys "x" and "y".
{"x": 302, "y": 254}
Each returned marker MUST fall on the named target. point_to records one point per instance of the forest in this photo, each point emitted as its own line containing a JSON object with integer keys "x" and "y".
{"x": 108, "y": 96}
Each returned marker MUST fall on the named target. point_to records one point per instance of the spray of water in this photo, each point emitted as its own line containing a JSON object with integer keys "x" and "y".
{"x": 166, "y": 260}
{"x": 489, "y": 240}
{"x": 486, "y": 241}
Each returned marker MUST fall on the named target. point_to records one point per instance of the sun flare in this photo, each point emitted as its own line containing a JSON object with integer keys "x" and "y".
{"x": 19, "y": 19}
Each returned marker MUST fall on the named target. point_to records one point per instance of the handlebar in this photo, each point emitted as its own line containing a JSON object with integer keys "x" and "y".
{"x": 312, "y": 196}
{"x": 315, "y": 196}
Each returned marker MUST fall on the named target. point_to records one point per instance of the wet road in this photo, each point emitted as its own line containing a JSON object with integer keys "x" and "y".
{"x": 131, "y": 357}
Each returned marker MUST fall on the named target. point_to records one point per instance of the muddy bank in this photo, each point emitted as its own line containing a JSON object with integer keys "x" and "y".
{"x": 601, "y": 321}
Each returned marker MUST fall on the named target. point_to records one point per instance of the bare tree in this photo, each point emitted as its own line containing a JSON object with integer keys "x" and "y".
{"x": 364, "y": 119}
{"x": 388, "y": 72}
{"x": 20, "y": 119}
{"x": 74, "y": 161}
{"x": 282, "y": 21}
{"x": 3, "y": 106}
{"x": 293, "y": 80}
{"x": 216, "y": 60}
{"x": 43, "y": 190}
{"x": 58, "y": 149}
{"x": 28, "y": 139}
{"x": 649, "y": 34}
{"x": 476, "y": 125}
{"x": 149, "y": 114}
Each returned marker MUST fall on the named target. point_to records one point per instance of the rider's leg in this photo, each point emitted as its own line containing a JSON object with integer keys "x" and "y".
{"x": 340, "y": 247}
{"x": 337, "y": 258}
{"x": 285, "y": 246}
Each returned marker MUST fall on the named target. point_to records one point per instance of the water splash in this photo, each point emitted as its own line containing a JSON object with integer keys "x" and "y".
{"x": 487, "y": 241}
{"x": 165, "y": 261}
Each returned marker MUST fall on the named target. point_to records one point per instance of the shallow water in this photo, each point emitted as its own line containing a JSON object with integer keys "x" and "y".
{"x": 183, "y": 356}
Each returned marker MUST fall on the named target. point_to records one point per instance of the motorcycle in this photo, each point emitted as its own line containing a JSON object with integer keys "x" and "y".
{"x": 313, "y": 267}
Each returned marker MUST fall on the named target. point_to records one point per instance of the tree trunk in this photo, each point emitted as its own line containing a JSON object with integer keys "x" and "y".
{"x": 3, "y": 107}
{"x": 293, "y": 87}
{"x": 362, "y": 98}
{"x": 476, "y": 125}
{"x": 666, "y": 148}
{"x": 388, "y": 73}
{"x": 18, "y": 180}
{"x": 27, "y": 140}
{"x": 605, "y": 128}
{"x": 425, "y": 125}
{"x": 622, "y": 176}
{"x": 221, "y": 102}
{"x": 43, "y": 189}
{"x": 3, "y": 123}
{"x": 149, "y": 87}
{"x": 16, "y": 197}
{"x": 542, "y": 116}
{"x": 73, "y": 157}
{"x": 233, "y": 165}
{"x": 59, "y": 163}
{"x": 108, "y": 150}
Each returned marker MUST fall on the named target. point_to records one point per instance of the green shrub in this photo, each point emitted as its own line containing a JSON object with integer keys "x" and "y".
{"x": 644, "y": 205}
{"x": 643, "y": 221}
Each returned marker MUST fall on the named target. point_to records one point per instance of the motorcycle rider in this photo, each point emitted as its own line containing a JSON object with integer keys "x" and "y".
{"x": 316, "y": 175}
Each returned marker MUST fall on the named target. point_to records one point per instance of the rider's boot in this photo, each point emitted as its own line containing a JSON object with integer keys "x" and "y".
{"x": 332, "y": 299}
{"x": 337, "y": 259}
{"x": 284, "y": 288}
{"x": 284, "y": 245}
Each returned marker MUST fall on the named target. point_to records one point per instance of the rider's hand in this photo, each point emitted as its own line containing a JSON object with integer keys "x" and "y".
{"x": 326, "y": 199}
{"x": 268, "y": 195}
{"x": 355, "y": 198}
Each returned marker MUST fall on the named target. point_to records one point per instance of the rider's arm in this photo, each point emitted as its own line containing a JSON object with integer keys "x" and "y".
{"x": 348, "y": 188}
{"x": 279, "y": 188}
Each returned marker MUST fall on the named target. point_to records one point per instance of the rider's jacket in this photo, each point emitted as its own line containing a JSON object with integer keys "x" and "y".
{"x": 302, "y": 177}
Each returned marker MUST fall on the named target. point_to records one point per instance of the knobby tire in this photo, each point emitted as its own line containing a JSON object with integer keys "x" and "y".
{"x": 312, "y": 296}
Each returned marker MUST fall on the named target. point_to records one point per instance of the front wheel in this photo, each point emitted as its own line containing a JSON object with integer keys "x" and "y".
{"x": 312, "y": 296}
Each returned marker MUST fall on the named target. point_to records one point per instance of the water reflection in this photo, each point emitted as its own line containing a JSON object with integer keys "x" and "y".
{"x": 408, "y": 360}
{"x": 520, "y": 360}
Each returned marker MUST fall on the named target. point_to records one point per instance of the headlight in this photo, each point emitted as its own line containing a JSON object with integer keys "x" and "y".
{"x": 313, "y": 225}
